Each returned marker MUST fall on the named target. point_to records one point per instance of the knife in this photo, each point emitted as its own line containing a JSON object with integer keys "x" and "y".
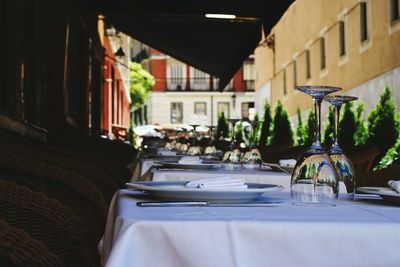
{"x": 206, "y": 204}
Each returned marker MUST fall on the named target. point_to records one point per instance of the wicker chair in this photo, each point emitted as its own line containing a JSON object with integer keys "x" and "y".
{"x": 273, "y": 154}
{"x": 103, "y": 182}
{"x": 18, "y": 249}
{"x": 363, "y": 158}
{"x": 48, "y": 221}
{"x": 379, "y": 177}
{"x": 74, "y": 191}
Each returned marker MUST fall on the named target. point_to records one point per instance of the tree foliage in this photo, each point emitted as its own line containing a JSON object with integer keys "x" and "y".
{"x": 300, "y": 129}
{"x": 361, "y": 134}
{"x": 383, "y": 124}
{"x": 282, "y": 130}
{"x": 310, "y": 127}
{"x": 257, "y": 126}
{"x": 140, "y": 84}
{"x": 265, "y": 126}
{"x": 347, "y": 127}
{"x": 239, "y": 134}
{"x": 329, "y": 129}
{"x": 392, "y": 156}
{"x": 222, "y": 127}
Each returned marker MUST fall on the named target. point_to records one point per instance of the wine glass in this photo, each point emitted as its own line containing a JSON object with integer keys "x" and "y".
{"x": 314, "y": 179}
{"x": 231, "y": 158}
{"x": 252, "y": 158}
{"x": 343, "y": 165}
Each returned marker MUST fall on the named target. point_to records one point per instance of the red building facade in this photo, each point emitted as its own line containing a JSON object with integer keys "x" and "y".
{"x": 115, "y": 117}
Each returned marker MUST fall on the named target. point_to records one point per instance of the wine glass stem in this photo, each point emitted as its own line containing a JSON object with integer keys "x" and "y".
{"x": 336, "y": 131}
{"x": 317, "y": 106}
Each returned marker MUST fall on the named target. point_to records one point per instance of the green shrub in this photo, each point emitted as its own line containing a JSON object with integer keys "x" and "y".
{"x": 310, "y": 127}
{"x": 329, "y": 129}
{"x": 222, "y": 127}
{"x": 383, "y": 125}
{"x": 392, "y": 156}
{"x": 239, "y": 135}
{"x": 282, "y": 130}
{"x": 265, "y": 126}
{"x": 257, "y": 126}
{"x": 300, "y": 129}
{"x": 361, "y": 134}
{"x": 347, "y": 127}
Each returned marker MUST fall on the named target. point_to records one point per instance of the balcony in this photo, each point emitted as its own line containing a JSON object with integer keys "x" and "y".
{"x": 194, "y": 84}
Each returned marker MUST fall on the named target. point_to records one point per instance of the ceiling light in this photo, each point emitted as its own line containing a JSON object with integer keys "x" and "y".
{"x": 220, "y": 16}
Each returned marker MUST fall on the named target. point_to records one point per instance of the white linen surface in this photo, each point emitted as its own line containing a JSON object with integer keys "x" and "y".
{"x": 190, "y": 160}
{"x": 222, "y": 182}
{"x": 353, "y": 233}
{"x": 287, "y": 162}
{"x": 395, "y": 185}
{"x": 249, "y": 176}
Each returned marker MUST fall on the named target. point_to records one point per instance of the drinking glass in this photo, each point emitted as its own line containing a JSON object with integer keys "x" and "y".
{"x": 314, "y": 179}
{"x": 343, "y": 165}
{"x": 231, "y": 158}
{"x": 252, "y": 158}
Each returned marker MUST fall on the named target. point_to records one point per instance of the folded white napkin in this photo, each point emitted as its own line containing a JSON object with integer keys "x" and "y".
{"x": 395, "y": 185}
{"x": 190, "y": 160}
{"x": 222, "y": 182}
{"x": 167, "y": 153}
{"x": 287, "y": 162}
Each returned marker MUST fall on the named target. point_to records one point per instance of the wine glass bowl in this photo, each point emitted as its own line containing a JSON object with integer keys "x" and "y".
{"x": 252, "y": 158}
{"x": 343, "y": 165}
{"x": 314, "y": 178}
{"x": 231, "y": 158}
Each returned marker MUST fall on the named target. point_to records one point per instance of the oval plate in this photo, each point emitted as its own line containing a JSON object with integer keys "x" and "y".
{"x": 177, "y": 191}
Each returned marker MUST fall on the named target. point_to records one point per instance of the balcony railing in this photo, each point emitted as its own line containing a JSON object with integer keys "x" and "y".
{"x": 203, "y": 84}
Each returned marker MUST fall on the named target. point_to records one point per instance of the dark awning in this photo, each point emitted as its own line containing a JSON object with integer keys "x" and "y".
{"x": 180, "y": 29}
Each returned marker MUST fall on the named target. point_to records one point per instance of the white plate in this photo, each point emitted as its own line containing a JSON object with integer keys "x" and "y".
{"x": 386, "y": 193}
{"x": 177, "y": 191}
{"x": 277, "y": 167}
{"x": 177, "y": 165}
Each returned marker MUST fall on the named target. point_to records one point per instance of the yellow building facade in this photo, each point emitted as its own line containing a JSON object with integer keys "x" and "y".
{"x": 353, "y": 44}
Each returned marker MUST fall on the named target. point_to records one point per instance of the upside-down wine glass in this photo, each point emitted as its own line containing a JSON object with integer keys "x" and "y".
{"x": 231, "y": 158}
{"x": 343, "y": 165}
{"x": 252, "y": 158}
{"x": 314, "y": 179}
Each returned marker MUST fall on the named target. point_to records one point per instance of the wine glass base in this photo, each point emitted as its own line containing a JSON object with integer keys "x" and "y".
{"x": 231, "y": 166}
{"x": 314, "y": 204}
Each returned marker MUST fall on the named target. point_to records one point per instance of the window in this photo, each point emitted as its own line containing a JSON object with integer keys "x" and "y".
{"x": 223, "y": 107}
{"x": 394, "y": 10}
{"x": 295, "y": 73}
{"x": 176, "y": 112}
{"x": 199, "y": 80}
{"x": 247, "y": 110}
{"x": 200, "y": 108}
{"x": 308, "y": 64}
{"x": 284, "y": 82}
{"x": 363, "y": 22}
{"x": 342, "y": 38}
{"x": 323, "y": 52}
{"x": 176, "y": 76}
{"x": 249, "y": 73}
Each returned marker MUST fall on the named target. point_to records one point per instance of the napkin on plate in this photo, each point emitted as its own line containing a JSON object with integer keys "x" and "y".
{"x": 190, "y": 160}
{"x": 287, "y": 162}
{"x": 223, "y": 182}
{"x": 395, "y": 185}
{"x": 167, "y": 153}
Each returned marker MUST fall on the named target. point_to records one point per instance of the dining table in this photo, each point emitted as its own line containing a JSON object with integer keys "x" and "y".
{"x": 151, "y": 171}
{"x": 364, "y": 231}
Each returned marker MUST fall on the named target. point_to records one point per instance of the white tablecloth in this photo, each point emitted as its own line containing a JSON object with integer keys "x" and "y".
{"x": 353, "y": 233}
{"x": 250, "y": 176}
